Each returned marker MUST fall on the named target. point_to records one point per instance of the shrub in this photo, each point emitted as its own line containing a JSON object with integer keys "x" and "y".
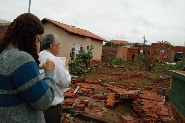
{"x": 85, "y": 57}
{"x": 76, "y": 68}
{"x": 146, "y": 61}
{"x": 80, "y": 65}
{"x": 165, "y": 67}
{"x": 113, "y": 61}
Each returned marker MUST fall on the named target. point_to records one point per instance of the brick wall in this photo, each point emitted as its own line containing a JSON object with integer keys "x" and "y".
{"x": 115, "y": 52}
{"x": 108, "y": 51}
{"x": 163, "y": 51}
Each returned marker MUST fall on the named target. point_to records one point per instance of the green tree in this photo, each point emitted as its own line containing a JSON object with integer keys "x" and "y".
{"x": 121, "y": 44}
{"x": 85, "y": 57}
{"x": 163, "y": 42}
{"x": 76, "y": 68}
{"x": 110, "y": 44}
{"x": 81, "y": 64}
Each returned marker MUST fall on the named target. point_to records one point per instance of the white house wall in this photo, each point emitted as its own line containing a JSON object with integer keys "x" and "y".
{"x": 68, "y": 39}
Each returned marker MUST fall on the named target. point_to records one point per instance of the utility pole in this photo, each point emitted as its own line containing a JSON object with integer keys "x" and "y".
{"x": 29, "y": 6}
{"x": 144, "y": 40}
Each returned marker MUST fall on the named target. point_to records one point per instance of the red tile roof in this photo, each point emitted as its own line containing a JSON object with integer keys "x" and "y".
{"x": 118, "y": 41}
{"x": 73, "y": 29}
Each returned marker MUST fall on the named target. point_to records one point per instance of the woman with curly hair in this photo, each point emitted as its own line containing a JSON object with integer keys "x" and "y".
{"x": 23, "y": 94}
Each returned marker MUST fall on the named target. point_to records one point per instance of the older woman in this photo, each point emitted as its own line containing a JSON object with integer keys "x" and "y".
{"x": 23, "y": 94}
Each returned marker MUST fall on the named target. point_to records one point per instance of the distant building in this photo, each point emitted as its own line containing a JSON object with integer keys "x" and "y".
{"x": 165, "y": 52}
{"x": 118, "y": 42}
{"x": 3, "y": 26}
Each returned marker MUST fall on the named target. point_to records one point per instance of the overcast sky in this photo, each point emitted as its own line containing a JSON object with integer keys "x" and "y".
{"x": 128, "y": 20}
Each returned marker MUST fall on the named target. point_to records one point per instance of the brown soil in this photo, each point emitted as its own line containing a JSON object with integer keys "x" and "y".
{"x": 116, "y": 76}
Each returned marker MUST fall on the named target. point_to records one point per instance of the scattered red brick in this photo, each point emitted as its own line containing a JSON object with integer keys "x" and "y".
{"x": 148, "y": 105}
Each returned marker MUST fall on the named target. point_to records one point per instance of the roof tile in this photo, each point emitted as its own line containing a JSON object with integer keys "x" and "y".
{"x": 118, "y": 41}
{"x": 73, "y": 29}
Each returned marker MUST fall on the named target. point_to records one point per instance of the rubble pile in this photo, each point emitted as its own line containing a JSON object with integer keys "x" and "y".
{"x": 105, "y": 103}
{"x": 150, "y": 107}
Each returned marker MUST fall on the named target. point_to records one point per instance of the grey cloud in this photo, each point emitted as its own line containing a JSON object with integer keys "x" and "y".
{"x": 110, "y": 19}
{"x": 135, "y": 31}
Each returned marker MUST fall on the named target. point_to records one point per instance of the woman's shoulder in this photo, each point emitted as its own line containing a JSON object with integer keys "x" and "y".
{"x": 12, "y": 59}
{"x": 17, "y": 55}
{"x": 24, "y": 56}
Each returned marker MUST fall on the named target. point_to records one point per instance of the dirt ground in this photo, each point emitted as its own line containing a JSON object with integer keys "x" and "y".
{"x": 104, "y": 80}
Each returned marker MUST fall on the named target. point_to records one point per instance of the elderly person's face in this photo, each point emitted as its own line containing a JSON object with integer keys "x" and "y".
{"x": 55, "y": 48}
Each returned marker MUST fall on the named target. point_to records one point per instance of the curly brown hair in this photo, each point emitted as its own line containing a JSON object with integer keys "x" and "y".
{"x": 22, "y": 34}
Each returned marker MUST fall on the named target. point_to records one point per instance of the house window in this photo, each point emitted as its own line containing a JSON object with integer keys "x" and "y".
{"x": 162, "y": 50}
{"x": 141, "y": 51}
{"x": 87, "y": 47}
{"x": 77, "y": 48}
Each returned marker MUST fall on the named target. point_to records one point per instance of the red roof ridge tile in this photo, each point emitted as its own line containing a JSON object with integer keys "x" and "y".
{"x": 73, "y": 29}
